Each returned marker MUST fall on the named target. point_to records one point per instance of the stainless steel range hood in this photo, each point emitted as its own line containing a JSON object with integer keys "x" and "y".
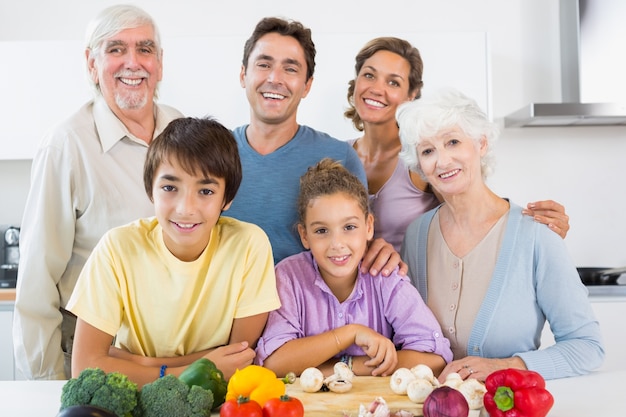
{"x": 593, "y": 69}
{"x": 568, "y": 114}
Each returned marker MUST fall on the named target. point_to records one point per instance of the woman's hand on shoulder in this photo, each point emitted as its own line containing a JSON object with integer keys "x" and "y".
{"x": 381, "y": 257}
{"x": 550, "y": 213}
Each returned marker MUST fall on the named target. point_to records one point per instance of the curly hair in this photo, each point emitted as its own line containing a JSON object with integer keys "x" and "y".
{"x": 329, "y": 177}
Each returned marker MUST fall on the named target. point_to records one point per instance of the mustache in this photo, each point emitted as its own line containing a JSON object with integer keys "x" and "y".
{"x": 130, "y": 74}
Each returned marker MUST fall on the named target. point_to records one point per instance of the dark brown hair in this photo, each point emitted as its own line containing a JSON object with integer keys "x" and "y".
{"x": 397, "y": 46}
{"x": 197, "y": 144}
{"x": 285, "y": 28}
{"x": 328, "y": 177}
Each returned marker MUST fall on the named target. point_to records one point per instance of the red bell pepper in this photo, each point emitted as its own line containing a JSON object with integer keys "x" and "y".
{"x": 517, "y": 393}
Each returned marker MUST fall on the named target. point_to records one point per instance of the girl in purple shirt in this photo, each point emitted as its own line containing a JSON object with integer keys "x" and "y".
{"x": 330, "y": 310}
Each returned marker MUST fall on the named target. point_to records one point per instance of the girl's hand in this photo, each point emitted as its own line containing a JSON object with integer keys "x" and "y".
{"x": 380, "y": 350}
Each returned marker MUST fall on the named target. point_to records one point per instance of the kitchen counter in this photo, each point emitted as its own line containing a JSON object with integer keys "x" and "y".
{"x": 596, "y": 294}
{"x": 596, "y": 394}
{"x": 7, "y": 294}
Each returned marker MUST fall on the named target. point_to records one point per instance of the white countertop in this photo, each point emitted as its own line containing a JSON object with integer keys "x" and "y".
{"x": 600, "y": 394}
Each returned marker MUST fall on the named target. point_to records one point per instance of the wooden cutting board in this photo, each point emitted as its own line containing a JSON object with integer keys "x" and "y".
{"x": 364, "y": 390}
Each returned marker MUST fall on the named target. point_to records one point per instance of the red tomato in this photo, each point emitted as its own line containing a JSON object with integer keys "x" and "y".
{"x": 241, "y": 407}
{"x": 285, "y": 406}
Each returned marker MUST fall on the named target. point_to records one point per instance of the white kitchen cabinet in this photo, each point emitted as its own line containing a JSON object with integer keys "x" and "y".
{"x": 40, "y": 99}
{"x": 611, "y": 315}
{"x": 7, "y": 372}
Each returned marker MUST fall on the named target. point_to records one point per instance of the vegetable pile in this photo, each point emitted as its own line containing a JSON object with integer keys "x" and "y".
{"x": 419, "y": 382}
{"x": 255, "y": 391}
{"x": 312, "y": 379}
{"x": 199, "y": 388}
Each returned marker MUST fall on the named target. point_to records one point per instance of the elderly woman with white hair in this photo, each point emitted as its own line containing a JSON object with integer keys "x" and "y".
{"x": 491, "y": 275}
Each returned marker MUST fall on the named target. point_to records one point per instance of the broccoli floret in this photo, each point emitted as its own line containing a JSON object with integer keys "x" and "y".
{"x": 113, "y": 391}
{"x": 169, "y": 396}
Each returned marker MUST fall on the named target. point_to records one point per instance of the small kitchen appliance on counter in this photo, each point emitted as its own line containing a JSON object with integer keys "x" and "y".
{"x": 604, "y": 280}
{"x": 9, "y": 255}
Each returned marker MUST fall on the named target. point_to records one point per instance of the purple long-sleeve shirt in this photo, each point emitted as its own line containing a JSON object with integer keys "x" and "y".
{"x": 390, "y": 305}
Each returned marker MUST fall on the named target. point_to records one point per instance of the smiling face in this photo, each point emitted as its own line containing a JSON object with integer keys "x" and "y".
{"x": 450, "y": 161}
{"x": 187, "y": 207}
{"x": 127, "y": 68}
{"x": 380, "y": 86}
{"x": 275, "y": 79}
{"x": 336, "y": 230}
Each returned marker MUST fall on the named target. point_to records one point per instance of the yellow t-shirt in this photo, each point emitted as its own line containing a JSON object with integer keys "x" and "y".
{"x": 160, "y": 306}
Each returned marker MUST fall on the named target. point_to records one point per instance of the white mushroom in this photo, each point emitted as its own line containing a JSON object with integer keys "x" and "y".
{"x": 343, "y": 371}
{"x": 400, "y": 380}
{"x": 341, "y": 380}
{"x": 422, "y": 371}
{"x": 473, "y": 391}
{"x": 419, "y": 389}
{"x": 335, "y": 384}
{"x": 453, "y": 380}
{"x": 311, "y": 380}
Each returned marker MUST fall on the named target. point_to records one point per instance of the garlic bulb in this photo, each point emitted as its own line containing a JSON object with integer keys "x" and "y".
{"x": 378, "y": 408}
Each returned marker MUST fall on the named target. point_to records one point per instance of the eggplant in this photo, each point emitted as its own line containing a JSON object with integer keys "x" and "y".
{"x": 600, "y": 276}
{"x": 85, "y": 411}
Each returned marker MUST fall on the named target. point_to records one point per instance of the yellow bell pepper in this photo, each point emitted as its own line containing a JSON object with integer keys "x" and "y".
{"x": 255, "y": 382}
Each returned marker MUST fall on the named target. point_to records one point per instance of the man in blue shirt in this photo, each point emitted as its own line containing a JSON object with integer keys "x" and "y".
{"x": 277, "y": 72}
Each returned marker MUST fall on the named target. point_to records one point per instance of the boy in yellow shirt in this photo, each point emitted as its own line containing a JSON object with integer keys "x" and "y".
{"x": 185, "y": 284}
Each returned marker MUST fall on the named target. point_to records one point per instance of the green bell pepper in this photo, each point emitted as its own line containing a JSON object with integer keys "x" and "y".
{"x": 205, "y": 374}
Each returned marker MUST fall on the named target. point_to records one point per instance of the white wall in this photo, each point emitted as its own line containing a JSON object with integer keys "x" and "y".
{"x": 577, "y": 166}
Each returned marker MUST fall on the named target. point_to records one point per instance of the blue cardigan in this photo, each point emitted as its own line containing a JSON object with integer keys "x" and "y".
{"x": 534, "y": 280}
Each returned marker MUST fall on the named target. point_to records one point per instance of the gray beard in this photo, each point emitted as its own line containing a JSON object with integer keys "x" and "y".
{"x": 131, "y": 101}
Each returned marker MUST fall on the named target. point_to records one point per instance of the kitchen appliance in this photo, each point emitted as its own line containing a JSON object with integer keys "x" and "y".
{"x": 592, "y": 81}
{"x": 9, "y": 255}
{"x": 604, "y": 281}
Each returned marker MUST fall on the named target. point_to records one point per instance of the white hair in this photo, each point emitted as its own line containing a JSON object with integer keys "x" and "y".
{"x": 112, "y": 21}
{"x": 427, "y": 116}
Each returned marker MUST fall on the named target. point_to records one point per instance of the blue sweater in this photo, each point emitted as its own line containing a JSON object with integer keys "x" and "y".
{"x": 271, "y": 183}
{"x": 534, "y": 280}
